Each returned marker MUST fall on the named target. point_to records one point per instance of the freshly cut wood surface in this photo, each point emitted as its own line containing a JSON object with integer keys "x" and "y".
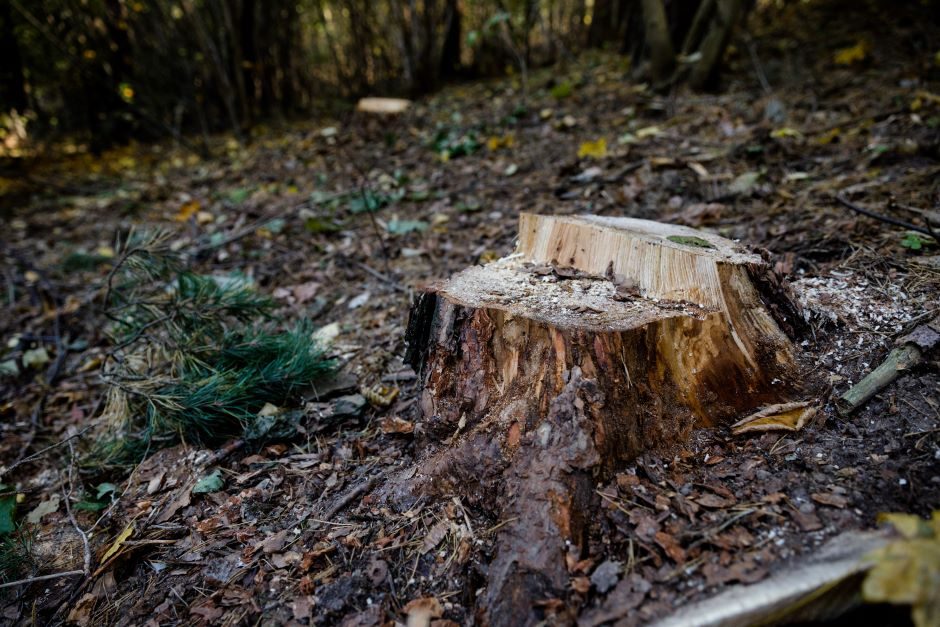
{"x": 663, "y": 260}
{"x": 383, "y": 106}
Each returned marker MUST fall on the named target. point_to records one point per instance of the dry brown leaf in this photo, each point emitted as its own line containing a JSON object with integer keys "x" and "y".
{"x": 435, "y": 535}
{"x": 670, "y": 546}
{"x": 830, "y": 499}
{"x": 394, "y": 424}
{"x": 784, "y": 416}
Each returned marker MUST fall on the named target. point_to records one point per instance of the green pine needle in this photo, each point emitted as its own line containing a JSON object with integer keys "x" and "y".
{"x": 196, "y": 357}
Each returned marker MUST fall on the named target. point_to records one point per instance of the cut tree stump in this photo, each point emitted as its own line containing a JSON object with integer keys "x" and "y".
{"x": 599, "y": 339}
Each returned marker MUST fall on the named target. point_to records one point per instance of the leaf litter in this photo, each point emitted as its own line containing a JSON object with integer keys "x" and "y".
{"x": 340, "y": 227}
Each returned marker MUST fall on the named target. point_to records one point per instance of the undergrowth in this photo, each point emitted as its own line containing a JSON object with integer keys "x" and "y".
{"x": 194, "y": 357}
{"x": 16, "y": 560}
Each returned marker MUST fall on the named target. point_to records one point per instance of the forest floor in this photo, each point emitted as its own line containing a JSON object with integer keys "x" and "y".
{"x": 297, "y": 532}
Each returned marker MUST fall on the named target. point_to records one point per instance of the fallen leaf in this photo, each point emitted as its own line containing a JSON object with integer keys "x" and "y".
{"x": 394, "y": 424}
{"x": 187, "y": 210}
{"x": 670, "y": 546}
{"x": 35, "y": 358}
{"x": 852, "y": 54}
{"x": 744, "y": 183}
{"x": 46, "y": 507}
{"x": 80, "y": 614}
{"x": 830, "y": 499}
{"x": 401, "y": 227}
{"x": 274, "y": 543}
{"x": 359, "y": 300}
{"x": 504, "y": 141}
{"x": 781, "y": 417}
{"x": 596, "y": 149}
{"x": 437, "y": 533}
{"x": 207, "y": 611}
{"x": 116, "y": 545}
{"x": 209, "y": 483}
{"x": 606, "y": 575}
{"x": 907, "y": 571}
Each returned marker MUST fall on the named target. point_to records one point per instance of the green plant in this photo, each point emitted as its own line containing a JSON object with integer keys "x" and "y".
{"x": 451, "y": 142}
{"x": 195, "y": 357}
{"x": 913, "y": 241}
{"x": 16, "y": 559}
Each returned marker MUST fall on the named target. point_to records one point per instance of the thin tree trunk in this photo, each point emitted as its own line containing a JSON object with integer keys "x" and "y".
{"x": 230, "y": 9}
{"x": 716, "y": 41}
{"x": 662, "y": 54}
{"x": 211, "y": 51}
{"x": 702, "y": 17}
{"x": 12, "y": 82}
{"x": 450, "y": 52}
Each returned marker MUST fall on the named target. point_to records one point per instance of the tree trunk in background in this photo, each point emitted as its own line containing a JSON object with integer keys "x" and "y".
{"x": 658, "y": 41}
{"x": 450, "y": 52}
{"x": 284, "y": 55}
{"x": 697, "y": 28}
{"x": 12, "y": 83}
{"x": 602, "y": 27}
{"x": 249, "y": 53}
{"x": 726, "y": 16}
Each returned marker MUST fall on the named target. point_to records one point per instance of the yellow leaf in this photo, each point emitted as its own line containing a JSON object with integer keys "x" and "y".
{"x": 852, "y": 54}
{"x": 596, "y": 149}
{"x": 908, "y": 525}
{"x": 116, "y": 545}
{"x": 495, "y": 142}
{"x": 829, "y": 136}
{"x": 786, "y": 131}
{"x": 907, "y": 572}
{"x": 188, "y": 210}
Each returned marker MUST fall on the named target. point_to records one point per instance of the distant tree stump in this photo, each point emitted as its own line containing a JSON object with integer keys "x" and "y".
{"x": 599, "y": 339}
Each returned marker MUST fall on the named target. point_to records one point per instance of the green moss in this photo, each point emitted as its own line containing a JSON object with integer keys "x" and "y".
{"x": 690, "y": 240}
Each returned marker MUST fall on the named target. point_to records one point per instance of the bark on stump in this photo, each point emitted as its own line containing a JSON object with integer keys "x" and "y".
{"x": 599, "y": 339}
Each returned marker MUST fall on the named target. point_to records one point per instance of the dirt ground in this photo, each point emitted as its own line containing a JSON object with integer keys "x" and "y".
{"x": 302, "y": 531}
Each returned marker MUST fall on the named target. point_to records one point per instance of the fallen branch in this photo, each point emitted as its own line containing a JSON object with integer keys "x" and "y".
{"x": 348, "y": 498}
{"x": 908, "y": 354}
{"x": 5, "y": 469}
{"x": 86, "y": 548}
{"x": 882, "y": 218}
{"x": 20, "y": 582}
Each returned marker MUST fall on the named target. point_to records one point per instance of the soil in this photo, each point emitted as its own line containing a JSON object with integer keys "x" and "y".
{"x": 307, "y": 529}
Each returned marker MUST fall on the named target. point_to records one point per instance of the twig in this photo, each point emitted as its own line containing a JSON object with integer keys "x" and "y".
{"x": 365, "y": 486}
{"x": 392, "y": 282}
{"x": 20, "y": 582}
{"x": 758, "y": 69}
{"x": 908, "y": 354}
{"x": 5, "y": 469}
{"x": 882, "y": 218}
{"x": 68, "y": 510}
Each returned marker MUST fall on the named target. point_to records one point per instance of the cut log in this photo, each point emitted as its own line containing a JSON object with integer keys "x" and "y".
{"x": 599, "y": 339}
{"x": 383, "y": 106}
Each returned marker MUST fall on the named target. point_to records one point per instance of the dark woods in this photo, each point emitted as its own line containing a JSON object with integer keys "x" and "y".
{"x": 121, "y": 69}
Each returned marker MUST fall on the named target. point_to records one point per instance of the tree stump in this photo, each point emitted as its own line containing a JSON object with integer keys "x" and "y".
{"x": 599, "y": 339}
